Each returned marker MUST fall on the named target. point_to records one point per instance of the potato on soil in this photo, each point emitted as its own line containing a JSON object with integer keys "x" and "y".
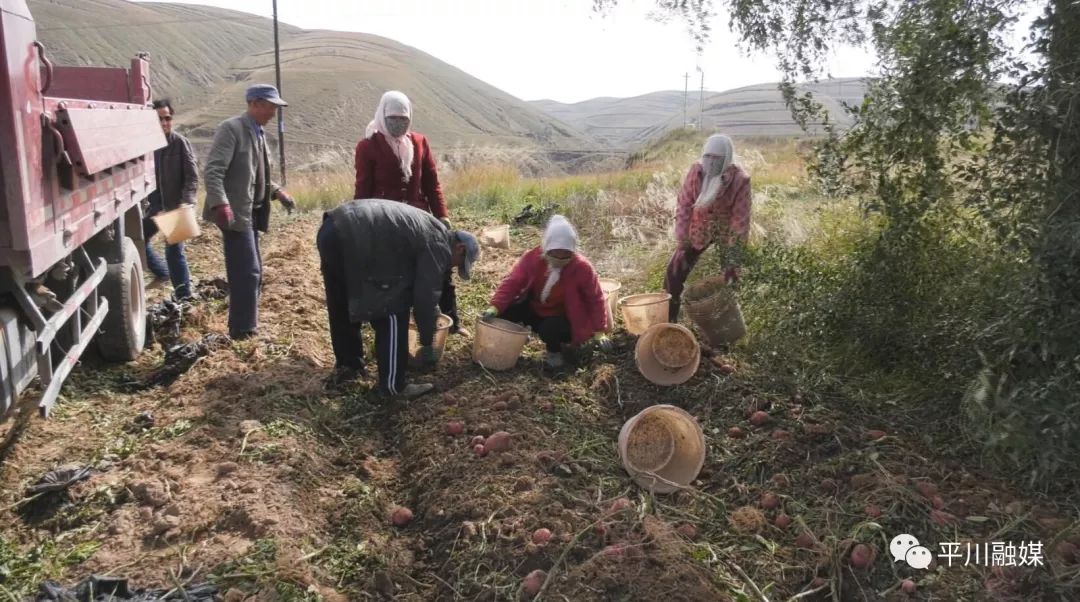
{"x": 498, "y": 442}
{"x": 908, "y": 587}
{"x": 782, "y": 521}
{"x": 532, "y": 583}
{"x": 759, "y": 418}
{"x": 770, "y": 500}
{"x": 687, "y": 530}
{"x": 401, "y": 516}
{"x": 455, "y": 428}
{"x": 862, "y": 556}
{"x": 541, "y": 536}
{"x": 736, "y": 433}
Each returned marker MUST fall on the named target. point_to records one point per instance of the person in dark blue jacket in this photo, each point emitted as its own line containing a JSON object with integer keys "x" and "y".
{"x": 381, "y": 260}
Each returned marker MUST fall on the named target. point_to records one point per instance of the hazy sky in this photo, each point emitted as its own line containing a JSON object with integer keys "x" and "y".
{"x": 555, "y": 49}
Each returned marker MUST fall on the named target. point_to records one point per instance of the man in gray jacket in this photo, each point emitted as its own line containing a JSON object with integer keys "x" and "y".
{"x": 238, "y": 194}
{"x": 177, "y": 174}
{"x": 380, "y": 259}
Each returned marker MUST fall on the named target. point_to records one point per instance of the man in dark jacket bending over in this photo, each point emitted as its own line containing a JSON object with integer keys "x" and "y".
{"x": 381, "y": 259}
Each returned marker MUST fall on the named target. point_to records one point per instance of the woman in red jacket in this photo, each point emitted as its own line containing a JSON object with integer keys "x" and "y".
{"x": 396, "y": 164}
{"x": 554, "y": 290}
{"x": 713, "y": 207}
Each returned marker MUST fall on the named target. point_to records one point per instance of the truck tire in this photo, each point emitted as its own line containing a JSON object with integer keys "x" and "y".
{"x": 123, "y": 332}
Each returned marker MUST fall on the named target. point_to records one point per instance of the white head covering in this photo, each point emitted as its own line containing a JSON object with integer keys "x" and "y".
{"x": 559, "y": 234}
{"x": 394, "y": 104}
{"x": 714, "y": 167}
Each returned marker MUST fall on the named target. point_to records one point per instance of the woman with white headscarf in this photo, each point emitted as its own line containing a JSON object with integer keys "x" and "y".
{"x": 395, "y": 163}
{"x": 554, "y": 290}
{"x": 713, "y": 206}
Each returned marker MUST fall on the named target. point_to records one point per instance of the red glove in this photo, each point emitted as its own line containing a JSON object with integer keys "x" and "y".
{"x": 732, "y": 274}
{"x": 223, "y": 215}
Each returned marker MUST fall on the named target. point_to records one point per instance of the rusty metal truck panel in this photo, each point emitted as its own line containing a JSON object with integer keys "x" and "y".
{"x": 97, "y": 139}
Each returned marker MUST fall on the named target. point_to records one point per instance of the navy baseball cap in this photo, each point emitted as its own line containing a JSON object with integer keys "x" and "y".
{"x": 472, "y": 252}
{"x": 265, "y": 92}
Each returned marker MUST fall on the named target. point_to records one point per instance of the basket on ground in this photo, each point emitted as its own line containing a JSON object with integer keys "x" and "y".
{"x": 712, "y": 306}
{"x": 667, "y": 354}
{"x": 662, "y": 448}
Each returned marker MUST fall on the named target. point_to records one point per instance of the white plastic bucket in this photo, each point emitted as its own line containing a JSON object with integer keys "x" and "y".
{"x": 179, "y": 224}
{"x": 498, "y": 343}
{"x": 639, "y": 312}
{"x": 442, "y": 327}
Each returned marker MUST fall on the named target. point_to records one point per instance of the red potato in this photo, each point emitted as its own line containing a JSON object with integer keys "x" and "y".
{"x": 873, "y": 511}
{"x": 499, "y": 441}
{"x": 927, "y": 489}
{"x": 601, "y": 529}
{"x": 938, "y": 502}
{"x": 614, "y": 551}
{"x": 859, "y": 481}
{"x": 480, "y": 450}
{"x": 941, "y": 518}
{"x": 874, "y": 435}
{"x": 547, "y": 406}
{"x": 533, "y": 582}
{"x": 781, "y": 434}
{"x": 736, "y": 433}
{"x": 619, "y": 505}
{"x": 726, "y": 368}
{"x": 805, "y": 540}
{"x": 781, "y": 480}
{"x": 817, "y": 582}
{"x": 830, "y": 486}
{"x": 1068, "y": 552}
{"x": 401, "y": 516}
{"x": 862, "y": 556}
{"x": 541, "y": 536}
{"x": 770, "y": 500}
{"x": 908, "y": 587}
{"x": 782, "y": 521}
{"x": 759, "y": 418}
{"x": 455, "y": 428}
{"x": 477, "y": 440}
{"x": 687, "y": 530}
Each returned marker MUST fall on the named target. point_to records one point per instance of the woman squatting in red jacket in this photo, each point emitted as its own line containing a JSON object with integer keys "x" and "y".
{"x": 395, "y": 163}
{"x": 554, "y": 290}
{"x": 713, "y": 206}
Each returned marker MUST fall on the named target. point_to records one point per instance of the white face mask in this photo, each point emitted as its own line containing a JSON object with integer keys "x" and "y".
{"x": 557, "y": 263}
{"x": 712, "y": 165}
{"x": 397, "y": 126}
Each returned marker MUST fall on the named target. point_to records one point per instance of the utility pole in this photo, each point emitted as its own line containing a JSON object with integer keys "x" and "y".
{"x": 701, "y": 111}
{"x": 281, "y": 110}
{"x": 685, "y": 93}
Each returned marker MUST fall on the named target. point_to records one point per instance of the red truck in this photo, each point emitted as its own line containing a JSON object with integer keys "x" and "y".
{"x": 76, "y": 161}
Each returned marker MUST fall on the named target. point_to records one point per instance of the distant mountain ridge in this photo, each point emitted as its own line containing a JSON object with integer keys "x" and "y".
{"x": 203, "y": 58}
{"x": 756, "y": 110}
